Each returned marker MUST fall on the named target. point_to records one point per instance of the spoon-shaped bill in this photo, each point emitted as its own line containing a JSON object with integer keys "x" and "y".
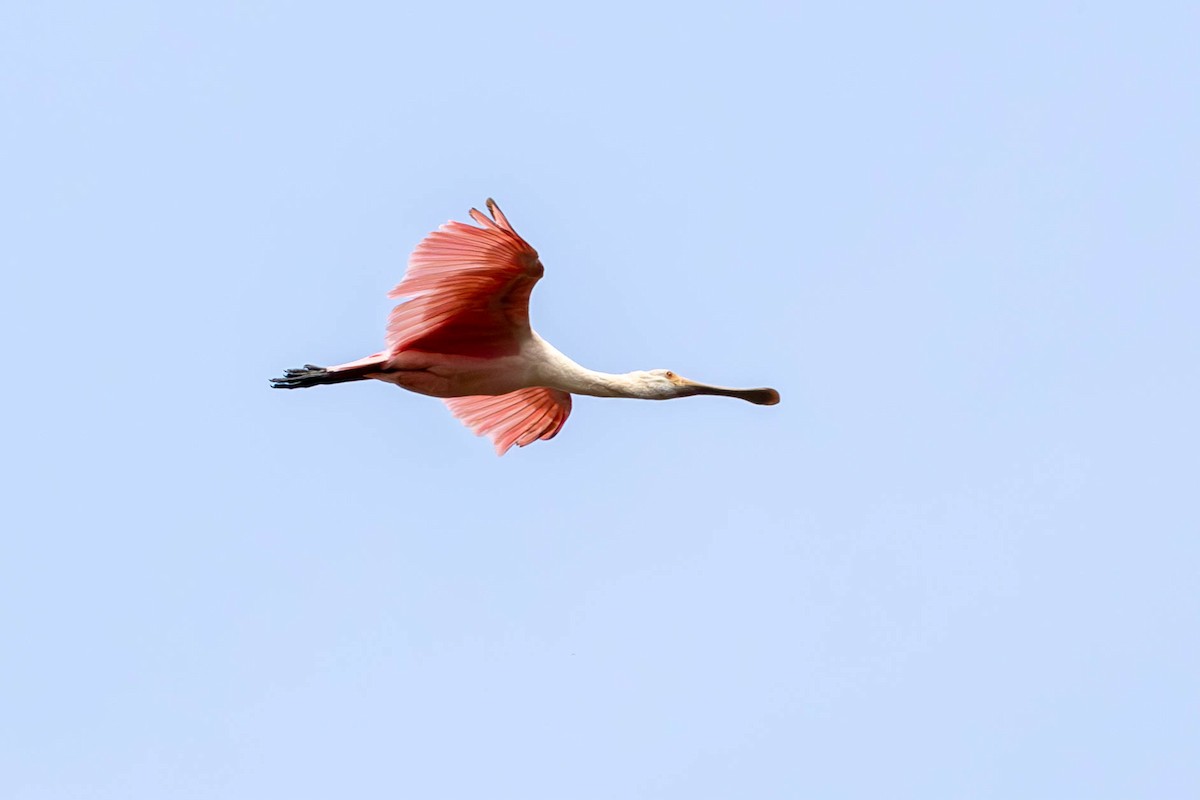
{"x": 761, "y": 397}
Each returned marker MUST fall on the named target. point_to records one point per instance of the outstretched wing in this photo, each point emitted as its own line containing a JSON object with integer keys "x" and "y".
{"x": 469, "y": 290}
{"x": 519, "y": 417}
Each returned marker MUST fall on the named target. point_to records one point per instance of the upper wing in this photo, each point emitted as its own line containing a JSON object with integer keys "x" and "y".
{"x": 519, "y": 417}
{"x": 469, "y": 290}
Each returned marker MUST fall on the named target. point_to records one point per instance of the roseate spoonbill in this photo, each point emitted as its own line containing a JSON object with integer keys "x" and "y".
{"x": 463, "y": 335}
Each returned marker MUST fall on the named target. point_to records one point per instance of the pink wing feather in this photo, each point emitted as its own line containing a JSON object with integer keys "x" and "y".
{"x": 468, "y": 288}
{"x": 521, "y": 417}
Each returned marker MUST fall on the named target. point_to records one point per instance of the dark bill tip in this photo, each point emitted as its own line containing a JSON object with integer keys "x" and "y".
{"x": 762, "y": 397}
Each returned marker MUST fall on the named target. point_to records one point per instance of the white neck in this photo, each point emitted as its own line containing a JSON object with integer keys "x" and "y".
{"x": 551, "y": 368}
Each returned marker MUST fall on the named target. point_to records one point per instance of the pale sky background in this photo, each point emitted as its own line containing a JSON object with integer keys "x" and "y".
{"x": 960, "y": 560}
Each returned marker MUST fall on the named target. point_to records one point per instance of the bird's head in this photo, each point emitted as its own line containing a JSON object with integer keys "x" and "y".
{"x": 663, "y": 384}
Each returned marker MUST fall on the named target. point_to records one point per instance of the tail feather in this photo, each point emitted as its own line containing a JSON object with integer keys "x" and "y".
{"x": 311, "y": 375}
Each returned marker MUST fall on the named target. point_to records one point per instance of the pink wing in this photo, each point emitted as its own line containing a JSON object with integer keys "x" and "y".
{"x": 469, "y": 290}
{"x": 519, "y": 417}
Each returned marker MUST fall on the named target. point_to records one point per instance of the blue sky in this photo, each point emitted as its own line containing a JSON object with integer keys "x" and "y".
{"x": 960, "y": 559}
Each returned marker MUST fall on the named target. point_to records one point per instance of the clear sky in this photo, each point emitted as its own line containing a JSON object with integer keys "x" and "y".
{"x": 960, "y": 559}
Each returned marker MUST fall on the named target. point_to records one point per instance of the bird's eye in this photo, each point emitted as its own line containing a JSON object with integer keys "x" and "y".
{"x": 670, "y": 375}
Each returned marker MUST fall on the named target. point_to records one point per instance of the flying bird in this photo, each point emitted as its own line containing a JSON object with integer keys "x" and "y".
{"x": 463, "y": 336}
